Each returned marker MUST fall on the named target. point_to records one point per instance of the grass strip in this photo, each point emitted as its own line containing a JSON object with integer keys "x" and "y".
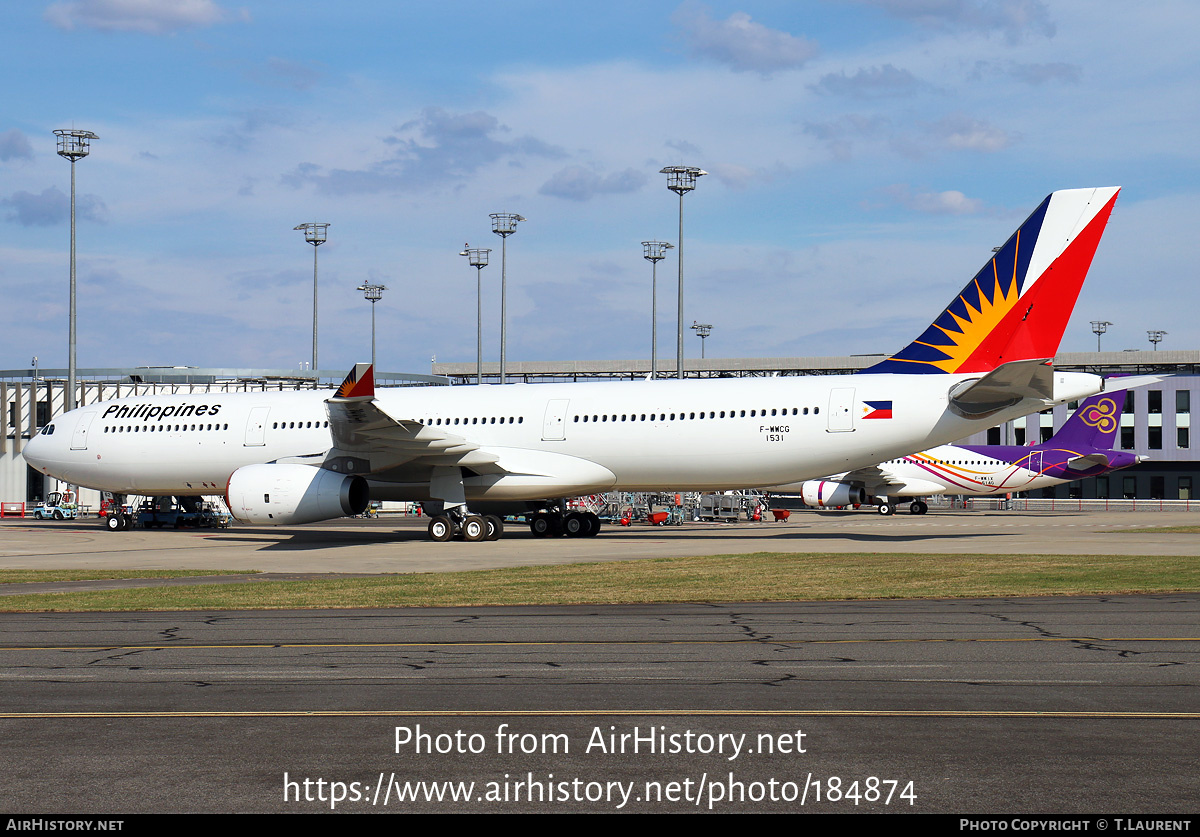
{"x": 1154, "y": 530}
{"x": 31, "y": 576}
{"x": 763, "y": 576}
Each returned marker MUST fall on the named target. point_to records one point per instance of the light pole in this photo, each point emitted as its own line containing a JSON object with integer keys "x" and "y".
{"x": 314, "y": 234}
{"x": 1156, "y": 337}
{"x": 373, "y": 293}
{"x": 654, "y": 252}
{"x": 479, "y": 260}
{"x": 504, "y": 224}
{"x": 1098, "y": 328}
{"x": 681, "y": 179}
{"x": 73, "y": 145}
{"x": 702, "y": 330}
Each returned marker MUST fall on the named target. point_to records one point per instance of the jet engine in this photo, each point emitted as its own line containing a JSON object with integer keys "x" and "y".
{"x": 822, "y": 493}
{"x": 277, "y": 495}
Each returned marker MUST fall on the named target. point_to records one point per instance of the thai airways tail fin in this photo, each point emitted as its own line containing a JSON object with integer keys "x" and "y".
{"x": 1093, "y": 425}
{"x": 1018, "y": 305}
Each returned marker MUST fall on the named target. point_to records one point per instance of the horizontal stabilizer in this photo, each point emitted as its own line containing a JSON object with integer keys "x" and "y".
{"x": 1083, "y": 463}
{"x": 1132, "y": 382}
{"x": 1003, "y": 387}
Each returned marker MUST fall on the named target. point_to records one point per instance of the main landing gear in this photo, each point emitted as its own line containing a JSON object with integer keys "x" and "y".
{"x": 456, "y": 523}
{"x": 572, "y": 524}
{"x": 887, "y": 506}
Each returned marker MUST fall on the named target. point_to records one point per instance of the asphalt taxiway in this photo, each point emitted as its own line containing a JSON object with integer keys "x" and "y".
{"x": 397, "y": 544}
{"x": 1046, "y": 705}
{"x": 1080, "y": 705}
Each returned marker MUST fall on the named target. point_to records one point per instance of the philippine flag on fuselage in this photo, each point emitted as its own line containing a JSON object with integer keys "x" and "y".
{"x": 877, "y": 409}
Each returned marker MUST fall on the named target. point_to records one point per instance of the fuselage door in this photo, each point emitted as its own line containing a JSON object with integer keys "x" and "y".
{"x": 841, "y": 407}
{"x": 79, "y": 438}
{"x": 256, "y": 426}
{"x": 1035, "y": 462}
{"x": 554, "y": 427}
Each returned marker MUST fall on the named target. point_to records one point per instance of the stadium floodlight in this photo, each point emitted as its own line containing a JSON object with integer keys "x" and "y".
{"x": 504, "y": 224}
{"x": 314, "y": 234}
{"x": 374, "y": 293}
{"x": 73, "y": 145}
{"x": 478, "y": 257}
{"x": 681, "y": 180}
{"x": 654, "y": 252}
{"x": 702, "y": 331}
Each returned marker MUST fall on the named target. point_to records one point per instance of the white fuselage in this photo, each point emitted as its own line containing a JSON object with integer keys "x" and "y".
{"x": 644, "y": 435}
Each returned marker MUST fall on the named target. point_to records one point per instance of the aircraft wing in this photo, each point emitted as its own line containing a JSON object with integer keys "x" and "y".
{"x": 874, "y": 479}
{"x": 367, "y": 439}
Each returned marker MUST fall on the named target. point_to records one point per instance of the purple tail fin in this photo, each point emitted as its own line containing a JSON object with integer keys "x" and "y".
{"x": 1094, "y": 424}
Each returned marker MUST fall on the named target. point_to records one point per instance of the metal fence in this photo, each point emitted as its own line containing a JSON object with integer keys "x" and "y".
{"x": 1063, "y": 504}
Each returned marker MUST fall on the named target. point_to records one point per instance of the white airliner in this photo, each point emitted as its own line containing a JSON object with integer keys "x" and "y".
{"x": 1082, "y": 448}
{"x": 287, "y": 458}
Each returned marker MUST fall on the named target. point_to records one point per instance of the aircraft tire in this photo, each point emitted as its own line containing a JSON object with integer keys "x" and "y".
{"x": 113, "y": 523}
{"x": 594, "y": 525}
{"x": 575, "y": 525}
{"x": 887, "y": 509}
{"x": 540, "y": 525}
{"x": 441, "y": 529}
{"x": 918, "y": 507}
{"x": 495, "y": 526}
{"x": 474, "y": 528}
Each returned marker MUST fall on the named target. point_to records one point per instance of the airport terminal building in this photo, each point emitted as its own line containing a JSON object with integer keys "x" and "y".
{"x": 1155, "y": 424}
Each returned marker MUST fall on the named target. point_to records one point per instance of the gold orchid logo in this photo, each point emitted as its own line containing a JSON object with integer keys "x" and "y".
{"x": 1102, "y": 415}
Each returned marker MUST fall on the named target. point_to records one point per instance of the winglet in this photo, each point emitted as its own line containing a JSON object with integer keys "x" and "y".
{"x": 359, "y": 384}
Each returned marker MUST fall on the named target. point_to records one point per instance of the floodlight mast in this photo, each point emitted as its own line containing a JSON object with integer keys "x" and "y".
{"x": 702, "y": 330}
{"x": 1156, "y": 336}
{"x": 1098, "y": 328}
{"x": 680, "y": 180}
{"x": 504, "y": 224}
{"x": 374, "y": 293}
{"x": 478, "y": 257}
{"x": 73, "y": 144}
{"x": 654, "y": 252}
{"x": 314, "y": 234}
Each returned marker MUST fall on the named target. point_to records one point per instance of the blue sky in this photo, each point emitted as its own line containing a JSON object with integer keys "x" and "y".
{"x": 864, "y": 157}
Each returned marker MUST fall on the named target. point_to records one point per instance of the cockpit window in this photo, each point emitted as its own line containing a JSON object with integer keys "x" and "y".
{"x": 48, "y": 430}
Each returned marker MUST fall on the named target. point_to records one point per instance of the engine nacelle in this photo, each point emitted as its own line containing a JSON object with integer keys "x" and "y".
{"x": 277, "y": 495}
{"x": 822, "y": 493}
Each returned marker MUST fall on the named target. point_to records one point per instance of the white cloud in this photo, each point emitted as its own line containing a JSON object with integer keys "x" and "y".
{"x": 14, "y": 145}
{"x": 951, "y": 202}
{"x": 1012, "y": 18}
{"x": 741, "y": 43}
{"x": 51, "y": 207}
{"x": 579, "y": 183}
{"x": 150, "y": 17}
{"x": 870, "y": 83}
{"x": 962, "y": 133}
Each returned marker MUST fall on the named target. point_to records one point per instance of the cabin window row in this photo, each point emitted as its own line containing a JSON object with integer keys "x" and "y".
{"x": 162, "y": 428}
{"x": 711, "y": 414}
{"x": 432, "y": 422}
{"x": 294, "y": 425}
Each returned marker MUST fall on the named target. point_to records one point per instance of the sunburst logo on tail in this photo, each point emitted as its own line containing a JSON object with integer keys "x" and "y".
{"x": 360, "y": 383}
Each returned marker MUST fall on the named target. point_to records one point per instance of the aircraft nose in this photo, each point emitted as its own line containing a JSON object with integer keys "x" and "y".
{"x": 44, "y": 449}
